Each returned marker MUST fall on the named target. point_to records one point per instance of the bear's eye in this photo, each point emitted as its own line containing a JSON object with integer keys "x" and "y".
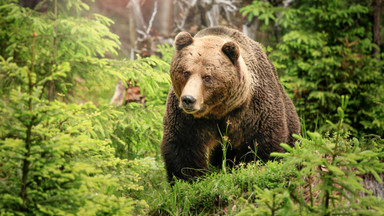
{"x": 207, "y": 78}
{"x": 186, "y": 74}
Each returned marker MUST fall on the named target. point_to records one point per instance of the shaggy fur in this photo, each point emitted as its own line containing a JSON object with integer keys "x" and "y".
{"x": 222, "y": 76}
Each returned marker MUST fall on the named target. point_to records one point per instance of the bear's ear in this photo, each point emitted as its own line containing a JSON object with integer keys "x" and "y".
{"x": 232, "y": 51}
{"x": 182, "y": 40}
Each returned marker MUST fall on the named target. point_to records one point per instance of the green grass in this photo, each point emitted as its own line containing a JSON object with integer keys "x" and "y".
{"x": 215, "y": 193}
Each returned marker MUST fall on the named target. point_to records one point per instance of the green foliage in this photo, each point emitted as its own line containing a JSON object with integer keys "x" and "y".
{"x": 261, "y": 10}
{"x": 270, "y": 202}
{"x": 136, "y": 130}
{"x": 151, "y": 74}
{"x": 65, "y": 50}
{"x": 51, "y": 164}
{"x": 58, "y": 158}
{"x": 327, "y": 178}
{"x": 220, "y": 193}
{"x": 325, "y": 51}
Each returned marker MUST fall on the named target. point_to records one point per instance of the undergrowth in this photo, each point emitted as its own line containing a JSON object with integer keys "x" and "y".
{"x": 219, "y": 192}
{"x": 61, "y": 154}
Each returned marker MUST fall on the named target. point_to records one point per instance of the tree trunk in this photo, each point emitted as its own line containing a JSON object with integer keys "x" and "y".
{"x": 164, "y": 21}
{"x": 376, "y": 4}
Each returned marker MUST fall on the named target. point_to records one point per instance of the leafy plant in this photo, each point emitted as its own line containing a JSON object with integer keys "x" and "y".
{"x": 219, "y": 192}
{"x": 328, "y": 177}
{"x": 136, "y": 130}
{"x": 66, "y": 49}
{"x": 57, "y": 158}
{"x": 325, "y": 51}
{"x": 225, "y": 144}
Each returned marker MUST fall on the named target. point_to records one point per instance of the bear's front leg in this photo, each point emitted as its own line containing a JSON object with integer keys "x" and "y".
{"x": 183, "y": 146}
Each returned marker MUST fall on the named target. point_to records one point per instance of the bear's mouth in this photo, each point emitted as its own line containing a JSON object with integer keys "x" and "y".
{"x": 197, "y": 113}
{"x": 189, "y": 110}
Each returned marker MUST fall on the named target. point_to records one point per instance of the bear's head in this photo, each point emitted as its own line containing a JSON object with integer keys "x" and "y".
{"x": 209, "y": 75}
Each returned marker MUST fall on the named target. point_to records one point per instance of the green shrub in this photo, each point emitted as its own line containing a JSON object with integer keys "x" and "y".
{"x": 63, "y": 51}
{"x": 219, "y": 192}
{"x": 58, "y": 158}
{"x": 325, "y": 51}
{"x": 51, "y": 164}
{"x": 328, "y": 177}
{"x": 137, "y": 131}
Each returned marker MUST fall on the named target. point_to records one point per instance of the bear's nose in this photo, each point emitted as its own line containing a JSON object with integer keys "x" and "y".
{"x": 188, "y": 101}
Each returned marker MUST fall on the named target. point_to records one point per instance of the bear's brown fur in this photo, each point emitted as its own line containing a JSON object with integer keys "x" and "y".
{"x": 222, "y": 76}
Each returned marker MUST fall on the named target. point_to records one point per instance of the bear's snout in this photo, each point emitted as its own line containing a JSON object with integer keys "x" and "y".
{"x": 188, "y": 102}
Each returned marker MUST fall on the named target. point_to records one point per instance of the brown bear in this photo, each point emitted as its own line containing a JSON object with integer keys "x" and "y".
{"x": 221, "y": 76}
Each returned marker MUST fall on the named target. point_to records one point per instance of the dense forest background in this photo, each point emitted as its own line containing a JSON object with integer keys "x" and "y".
{"x": 72, "y": 143}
